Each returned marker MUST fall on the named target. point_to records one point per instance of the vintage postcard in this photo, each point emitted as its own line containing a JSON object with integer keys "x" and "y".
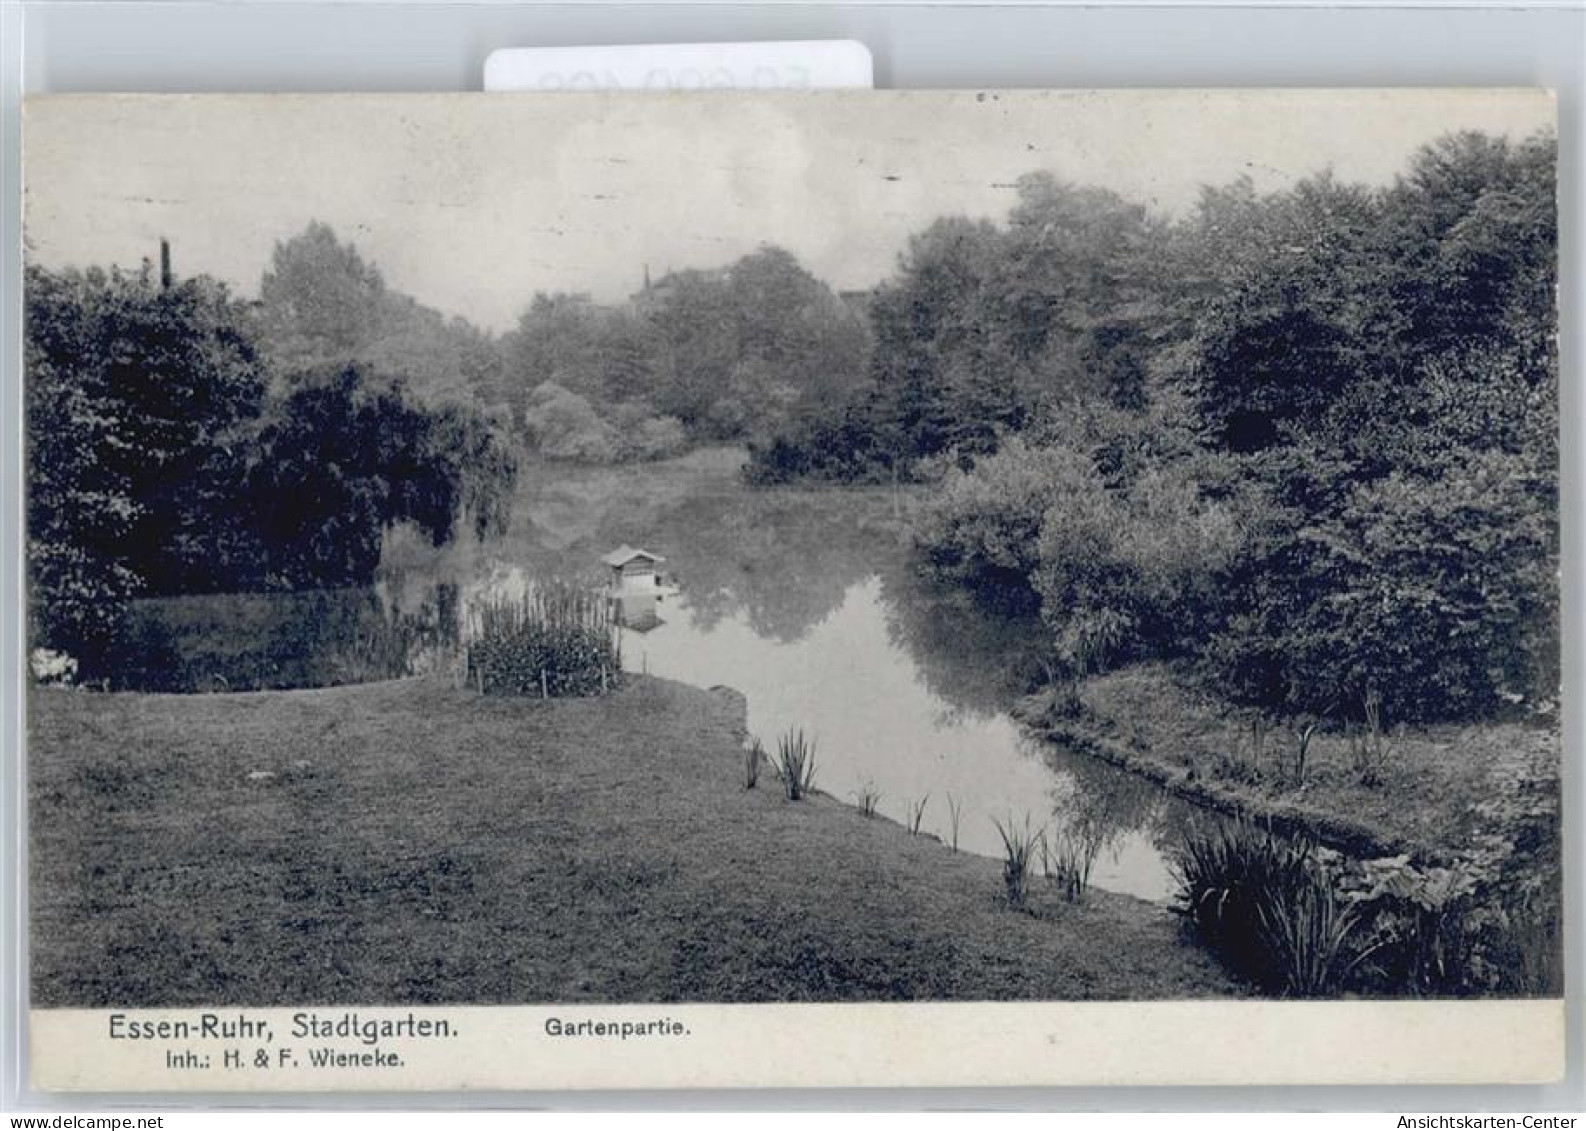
{"x": 843, "y": 588}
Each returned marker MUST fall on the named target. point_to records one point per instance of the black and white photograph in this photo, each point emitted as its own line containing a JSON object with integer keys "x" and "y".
{"x": 899, "y": 547}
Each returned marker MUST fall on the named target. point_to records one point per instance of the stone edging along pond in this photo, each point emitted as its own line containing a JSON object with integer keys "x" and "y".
{"x": 1353, "y": 838}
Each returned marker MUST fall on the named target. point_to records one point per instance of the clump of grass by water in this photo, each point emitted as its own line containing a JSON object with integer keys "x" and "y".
{"x": 954, "y": 811}
{"x": 1067, "y": 858}
{"x": 795, "y": 763}
{"x": 868, "y": 797}
{"x": 753, "y": 759}
{"x": 1018, "y": 848}
{"x": 1311, "y": 934}
{"x": 1269, "y": 908}
{"x": 1369, "y": 748}
{"x": 917, "y": 814}
{"x": 558, "y": 639}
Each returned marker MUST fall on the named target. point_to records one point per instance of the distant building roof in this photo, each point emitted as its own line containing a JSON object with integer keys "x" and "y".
{"x": 625, "y": 553}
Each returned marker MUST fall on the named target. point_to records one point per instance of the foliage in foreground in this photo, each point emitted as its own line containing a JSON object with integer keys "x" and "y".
{"x": 1301, "y": 920}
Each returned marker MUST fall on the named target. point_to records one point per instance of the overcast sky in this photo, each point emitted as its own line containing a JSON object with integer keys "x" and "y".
{"x": 472, "y": 203}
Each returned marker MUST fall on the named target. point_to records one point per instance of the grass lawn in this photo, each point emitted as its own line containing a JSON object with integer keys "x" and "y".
{"x": 1430, "y": 782}
{"x": 408, "y": 842}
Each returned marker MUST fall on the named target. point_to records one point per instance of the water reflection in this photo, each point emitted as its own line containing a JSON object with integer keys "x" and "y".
{"x": 975, "y": 661}
{"x": 259, "y": 641}
{"x": 881, "y": 727}
{"x": 637, "y": 612}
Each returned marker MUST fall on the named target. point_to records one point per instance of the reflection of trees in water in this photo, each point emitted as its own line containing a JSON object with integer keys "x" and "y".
{"x": 975, "y": 661}
{"x": 302, "y": 638}
{"x": 784, "y": 559}
{"x": 1101, "y": 802}
{"x": 1095, "y": 795}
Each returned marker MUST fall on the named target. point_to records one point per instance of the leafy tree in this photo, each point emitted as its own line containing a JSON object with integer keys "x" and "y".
{"x": 345, "y": 456}
{"x": 1293, "y": 325}
{"x": 724, "y": 353}
{"x": 320, "y": 300}
{"x": 79, "y": 502}
{"x": 323, "y": 305}
{"x": 563, "y": 425}
{"x": 987, "y": 330}
{"x": 982, "y": 529}
{"x": 1437, "y": 594}
{"x": 158, "y": 387}
{"x": 159, "y": 462}
{"x": 1335, "y": 468}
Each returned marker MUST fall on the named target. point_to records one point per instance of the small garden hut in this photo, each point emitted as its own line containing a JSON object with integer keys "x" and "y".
{"x": 633, "y": 568}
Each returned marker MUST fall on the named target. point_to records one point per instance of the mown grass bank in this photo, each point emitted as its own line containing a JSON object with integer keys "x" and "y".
{"x": 410, "y": 842}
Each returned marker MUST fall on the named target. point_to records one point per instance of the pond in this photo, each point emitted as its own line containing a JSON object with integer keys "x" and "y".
{"x": 804, "y": 600}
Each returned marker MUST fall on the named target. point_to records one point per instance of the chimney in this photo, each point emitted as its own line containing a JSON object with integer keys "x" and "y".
{"x": 165, "y": 264}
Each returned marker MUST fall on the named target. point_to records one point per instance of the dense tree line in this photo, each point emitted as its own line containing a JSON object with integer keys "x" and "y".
{"x": 696, "y": 357}
{"x": 1306, "y": 440}
{"x": 169, "y": 452}
{"x": 985, "y": 330}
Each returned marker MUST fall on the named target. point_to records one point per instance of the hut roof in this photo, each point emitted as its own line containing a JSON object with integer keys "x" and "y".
{"x": 625, "y": 553}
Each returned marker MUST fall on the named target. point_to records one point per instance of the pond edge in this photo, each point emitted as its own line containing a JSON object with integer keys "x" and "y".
{"x": 1288, "y": 818}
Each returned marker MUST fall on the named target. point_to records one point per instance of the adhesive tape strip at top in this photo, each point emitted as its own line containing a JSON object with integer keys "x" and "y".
{"x": 807, "y": 64}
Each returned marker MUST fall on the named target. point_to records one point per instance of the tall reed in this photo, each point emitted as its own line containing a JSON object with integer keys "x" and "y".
{"x": 868, "y": 797}
{"x": 795, "y": 764}
{"x": 1018, "y": 847}
{"x": 1269, "y": 908}
{"x": 557, "y": 639}
{"x": 753, "y": 759}
{"x": 1067, "y": 858}
{"x": 1369, "y": 749}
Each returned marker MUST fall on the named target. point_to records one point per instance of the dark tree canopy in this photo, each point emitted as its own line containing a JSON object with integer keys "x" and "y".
{"x": 167, "y": 454}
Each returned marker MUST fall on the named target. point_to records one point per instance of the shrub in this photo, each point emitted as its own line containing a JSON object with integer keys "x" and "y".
{"x": 564, "y": 425}
{"x": 658, "y": 437}
{"x": 1136, "y": 570}
{"x": 1438, "y": 592}
{"x": 982, "y": 527}
{"x": 558, "y": 639}
{"x": 840, "y": 444}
